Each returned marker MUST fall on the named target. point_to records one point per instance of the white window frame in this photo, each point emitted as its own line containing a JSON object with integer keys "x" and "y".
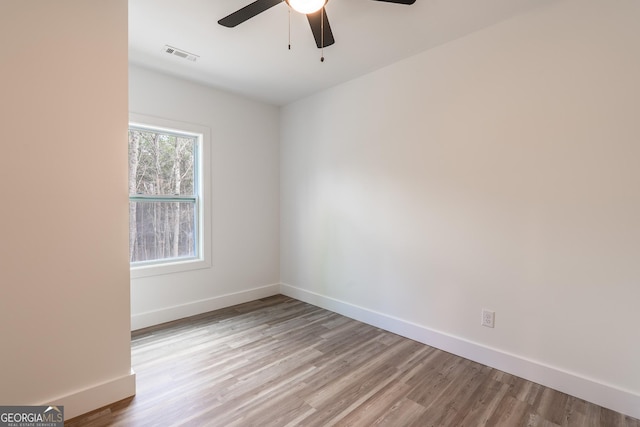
{"x": 203, "y": 260}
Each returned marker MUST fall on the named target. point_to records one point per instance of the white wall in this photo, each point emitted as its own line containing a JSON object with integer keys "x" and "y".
{"x": 244, "y": 192}
{"x": 64, "y": 274}
{"x": 498, "y": 171}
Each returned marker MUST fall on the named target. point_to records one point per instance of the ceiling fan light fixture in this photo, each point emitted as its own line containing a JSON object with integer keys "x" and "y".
{"x": 307, "y": 6}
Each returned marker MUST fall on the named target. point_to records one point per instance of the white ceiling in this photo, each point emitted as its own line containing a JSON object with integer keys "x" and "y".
{"x": 252, "y": 59}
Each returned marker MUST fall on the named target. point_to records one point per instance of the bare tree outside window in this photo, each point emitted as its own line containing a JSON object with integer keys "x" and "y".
{"x": 163, "y": 198}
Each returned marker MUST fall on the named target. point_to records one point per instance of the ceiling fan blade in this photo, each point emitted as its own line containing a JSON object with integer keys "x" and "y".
{"x": 320, "y": 28}
{"x": 399, "y": 1}
{"x": 247, "y": 12}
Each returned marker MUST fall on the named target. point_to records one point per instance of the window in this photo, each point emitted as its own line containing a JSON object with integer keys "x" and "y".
{"x": 166, "y": 208}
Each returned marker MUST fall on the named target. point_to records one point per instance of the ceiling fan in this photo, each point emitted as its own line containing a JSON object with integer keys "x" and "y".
{"x": 314, "y": 9}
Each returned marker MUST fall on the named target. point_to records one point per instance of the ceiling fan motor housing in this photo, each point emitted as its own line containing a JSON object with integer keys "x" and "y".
{"x": 306, "y": 6}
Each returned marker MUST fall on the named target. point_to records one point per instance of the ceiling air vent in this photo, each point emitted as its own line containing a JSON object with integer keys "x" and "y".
{"x": 180, "y": 53}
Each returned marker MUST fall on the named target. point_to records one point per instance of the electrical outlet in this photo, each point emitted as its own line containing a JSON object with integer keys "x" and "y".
{"x": 488, "y": 318}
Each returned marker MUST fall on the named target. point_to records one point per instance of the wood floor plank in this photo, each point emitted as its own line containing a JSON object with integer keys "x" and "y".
{"x": 280, "y": 362}
{"x": 511, "y": 412}
{"x": 482, "y": 404}
{"x": 552, "y": 405}
{"x": 376, "y": 405}
{"x": 405, "y": 412}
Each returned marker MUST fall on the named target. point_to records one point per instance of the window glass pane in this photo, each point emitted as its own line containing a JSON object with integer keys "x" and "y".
{"x": 161, "y": 163}
{"x": 162, "y": 230}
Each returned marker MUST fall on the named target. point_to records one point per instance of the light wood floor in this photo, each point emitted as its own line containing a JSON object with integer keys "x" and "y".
{"x": 281, "y": 362}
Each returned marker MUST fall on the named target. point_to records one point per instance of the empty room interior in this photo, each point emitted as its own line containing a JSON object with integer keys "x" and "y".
{"x": 384, "y": 212}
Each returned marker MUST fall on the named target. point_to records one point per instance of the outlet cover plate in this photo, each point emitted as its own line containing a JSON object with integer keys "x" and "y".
{"x": 488, "y": 318}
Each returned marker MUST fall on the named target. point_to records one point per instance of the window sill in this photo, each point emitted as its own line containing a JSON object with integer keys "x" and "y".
{"x": 140, "y": 271}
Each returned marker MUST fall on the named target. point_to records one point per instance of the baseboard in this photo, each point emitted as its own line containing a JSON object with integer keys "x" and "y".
{"x": 95, "y": 397}
{"x": 605, "y": 395}
{"x": 168, "y": 314}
